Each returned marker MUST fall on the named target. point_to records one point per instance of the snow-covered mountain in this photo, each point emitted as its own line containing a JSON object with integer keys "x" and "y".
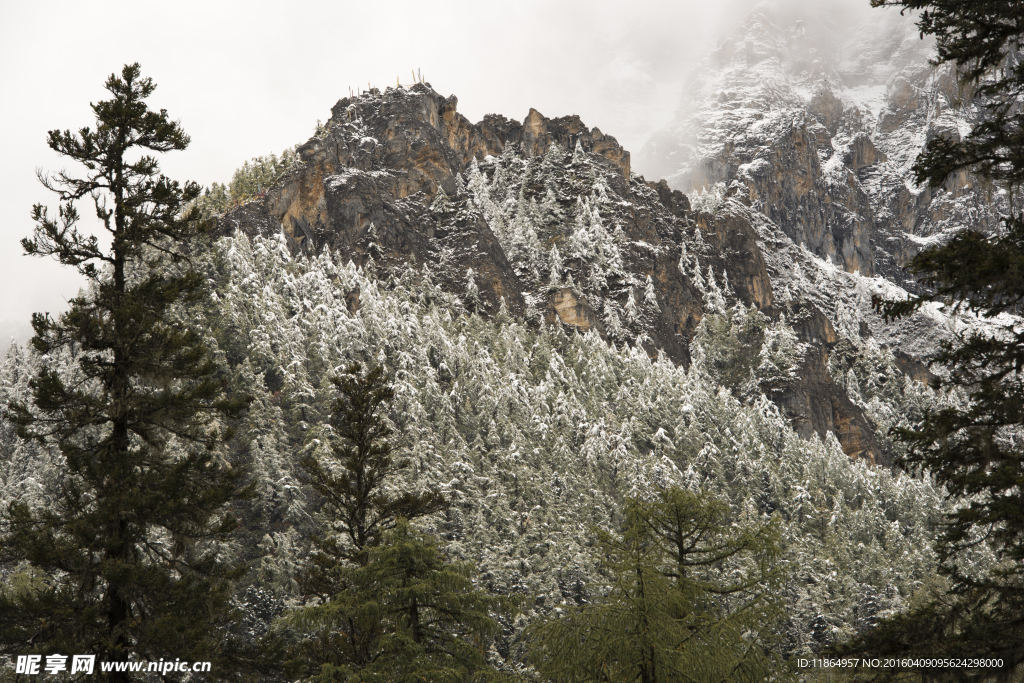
{"x": 796, "y": 159}
{"x": 815, "y": 118}
{"x": 563, "y": 333}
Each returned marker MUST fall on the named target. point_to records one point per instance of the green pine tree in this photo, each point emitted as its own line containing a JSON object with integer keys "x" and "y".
{"x": 392, "y": 608}
{"x": 691, "y": 598}
{"x": 406, "y": 615}
{"x": 974, "y": 450}
{"x": 353, "y": 485}
{"x": 128, "y": 549}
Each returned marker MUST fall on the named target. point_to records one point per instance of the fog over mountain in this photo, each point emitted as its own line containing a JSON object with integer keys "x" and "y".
{"x": 247, "y": 79}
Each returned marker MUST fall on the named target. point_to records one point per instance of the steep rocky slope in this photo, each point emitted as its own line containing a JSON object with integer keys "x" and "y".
{"x": 816, "y": 124}
{"x": 544, "y": 220}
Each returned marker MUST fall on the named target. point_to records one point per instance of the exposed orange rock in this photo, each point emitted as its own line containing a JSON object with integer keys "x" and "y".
{"x": 573, "y": 310}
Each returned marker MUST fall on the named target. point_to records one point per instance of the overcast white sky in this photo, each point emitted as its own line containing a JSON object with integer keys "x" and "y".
{"x": 249, "y": 78}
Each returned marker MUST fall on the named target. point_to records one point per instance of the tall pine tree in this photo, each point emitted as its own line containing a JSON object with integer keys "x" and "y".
{"x": 691, "y": 598}
{"x": 975, "y": 451}
{"x": 129, "y": 548}
{"x": 392, "y": 607}
{"x": 353, "y": 484}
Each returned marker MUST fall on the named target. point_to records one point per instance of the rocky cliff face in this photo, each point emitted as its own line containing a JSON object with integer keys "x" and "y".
{"x": 370, "y": 187}
{"x": 545, "y": 220}
{"x": 817, "y": 125}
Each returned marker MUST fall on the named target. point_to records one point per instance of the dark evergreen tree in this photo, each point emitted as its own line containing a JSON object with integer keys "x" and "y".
{"x": 392, "y": 608}
{"x": 406, "y": 615}
{"x": 129, "y": 547}
{"x": 692, "y": 598}
{"x": 356, "y": 503}
{"x": 975, "y": 451}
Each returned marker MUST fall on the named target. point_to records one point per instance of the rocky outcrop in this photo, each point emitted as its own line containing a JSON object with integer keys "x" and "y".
{"x": 734, "y": 243}
{"x": 777, "y": 167}
{"x": 826, "y": 108}
{"x": 816, "y": 404}
{"x": 914, "y": 368}
{"x": 367, "y": 182}
{"x": 568, "y": 131}
{"x": 401, "y": 179}
{"x": 570, "y": 309}
{"x": 826, "y": 211}
{"x": 861, "y": 152}
{"x": 820, "y": 133}
{"x": 773, "y": 130}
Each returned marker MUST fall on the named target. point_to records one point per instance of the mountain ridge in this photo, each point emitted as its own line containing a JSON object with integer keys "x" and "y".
{"x": 369, "y": 188}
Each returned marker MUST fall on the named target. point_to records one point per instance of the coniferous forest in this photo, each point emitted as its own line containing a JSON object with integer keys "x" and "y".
{"x": 302, "y": 454}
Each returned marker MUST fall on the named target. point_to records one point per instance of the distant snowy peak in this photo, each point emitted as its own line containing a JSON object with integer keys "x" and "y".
{"x": 815, "y": 119}
{"x": 768, "y": 70}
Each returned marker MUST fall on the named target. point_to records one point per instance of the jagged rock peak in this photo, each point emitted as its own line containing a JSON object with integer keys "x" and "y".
{"x": 371, "y": 177}
{"x": 420, "y": 109}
